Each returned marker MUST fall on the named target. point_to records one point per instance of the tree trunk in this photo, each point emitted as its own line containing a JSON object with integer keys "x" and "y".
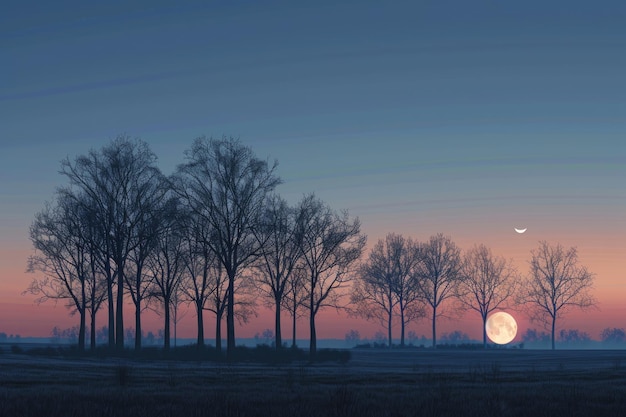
{"x": 218, "y": 333}
{"x": 279, "y": 338}
{"x": 92, "y": 300}
{"x": 166, "y": 329}
{"x": 81, "y": 330}
{"x": 553, "y": 327}
{"x": 119, "y": 312}
{"x": 313, "y": 338}
{"x": 199, "y": 310}
{"x": 111, "y": 315}
{"x": 434, "y": 327}
{"x": 83, "y": 318}
{"x": 175, "y": 326}
{"x": 389, "y": 329}
{"x": 230, "y": 316}
{"x": 92, "y": 335}
{"x": 293, "y": 327}
{"x": 138, "y": 324}
{"x": 484, "y": 331}
{"x": 401, "y": 325}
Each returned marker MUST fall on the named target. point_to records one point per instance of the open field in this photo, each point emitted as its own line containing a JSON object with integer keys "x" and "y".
{"x": 372, "y": 383}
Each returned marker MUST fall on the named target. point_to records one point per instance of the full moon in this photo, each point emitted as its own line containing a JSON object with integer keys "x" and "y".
{"x": 501, "y": 328}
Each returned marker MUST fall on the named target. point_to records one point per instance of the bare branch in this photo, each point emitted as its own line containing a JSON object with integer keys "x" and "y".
{"x": 556, "y": 283}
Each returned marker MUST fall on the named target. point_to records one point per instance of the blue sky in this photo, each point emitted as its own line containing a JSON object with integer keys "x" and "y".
{"x": 466, "y": 117}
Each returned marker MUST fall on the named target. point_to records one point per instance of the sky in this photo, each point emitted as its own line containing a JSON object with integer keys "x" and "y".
{"x": 465, "y": 118}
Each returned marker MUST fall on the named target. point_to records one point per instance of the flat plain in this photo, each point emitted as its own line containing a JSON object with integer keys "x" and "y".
{"x": 374, "y": 382}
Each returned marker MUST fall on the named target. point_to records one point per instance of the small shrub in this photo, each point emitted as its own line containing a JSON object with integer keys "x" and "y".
{"x": 122, "y": 374}
{"x": 267, "y": 354}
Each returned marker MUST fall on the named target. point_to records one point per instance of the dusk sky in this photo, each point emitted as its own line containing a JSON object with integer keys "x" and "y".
{"x": 468, "y": 118}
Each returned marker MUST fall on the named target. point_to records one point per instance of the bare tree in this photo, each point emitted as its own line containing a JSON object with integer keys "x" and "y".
{"x": 166, "y": 264}
{"x": 439, "y": 273}
{"x": 97, "y": 283}
{"x": 177, "y": 299}
{"x": 406, "y": 281}
{"x": 331, "y": 244}
{"x": 57, "y": 235}
{"x": 488, "y": 283}
{"x": 280, "y": 253}
{"x": 556, "y": 284}
{"x": 223, "y": 182}
{"x": 200, "y": 263}
{"x": 115, "y": 182}
{"x": 386, "y": 281}
{"x": 372, "y": 292}
{"x": 150, "y": 226}
{"x": 295, "y": 297}
{"x": 613, "y": 335}
{"x": 218, "y": 300}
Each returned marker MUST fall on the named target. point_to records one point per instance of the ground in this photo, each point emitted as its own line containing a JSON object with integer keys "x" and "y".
{"x": 507, "y": 382}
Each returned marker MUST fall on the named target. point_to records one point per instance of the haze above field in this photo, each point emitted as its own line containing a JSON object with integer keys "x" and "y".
{"x": 466, "y": 118}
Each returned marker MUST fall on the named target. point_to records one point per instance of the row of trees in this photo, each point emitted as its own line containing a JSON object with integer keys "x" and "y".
{"x": 411, "y": 280}
{"x": 216, "y": 235}
{"x": 213, "y": 234}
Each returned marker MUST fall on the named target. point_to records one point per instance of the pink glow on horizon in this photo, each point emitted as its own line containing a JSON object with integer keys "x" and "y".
{"x": 600, "y": 254}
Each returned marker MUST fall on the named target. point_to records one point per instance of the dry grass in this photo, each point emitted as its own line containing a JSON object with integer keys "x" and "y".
{"x": 412, "y": 384}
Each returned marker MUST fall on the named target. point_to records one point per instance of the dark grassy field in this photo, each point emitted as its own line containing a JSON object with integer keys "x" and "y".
{"x": 372, "y": 383}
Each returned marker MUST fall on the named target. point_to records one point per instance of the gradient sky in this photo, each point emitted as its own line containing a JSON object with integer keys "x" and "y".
{"x": 462, "y": 117}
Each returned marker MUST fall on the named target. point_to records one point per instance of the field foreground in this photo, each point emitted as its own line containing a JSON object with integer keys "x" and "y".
{"x": 373, "y": 383}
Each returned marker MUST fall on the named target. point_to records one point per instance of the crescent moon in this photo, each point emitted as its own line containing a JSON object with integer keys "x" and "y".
{"x": 520, "y": 230}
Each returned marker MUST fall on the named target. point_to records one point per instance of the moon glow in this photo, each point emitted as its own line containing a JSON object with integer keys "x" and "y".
{"x": 501, "y": 328}
{"x": 520, "y": 230}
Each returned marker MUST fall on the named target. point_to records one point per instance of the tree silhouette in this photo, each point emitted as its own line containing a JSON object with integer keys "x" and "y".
{"x": 217, "y": 301}
{"x": 574, "y": 337}
{"x": 166, "y": 263}
{"x": 200, "y": 266}
{"x": 488, "y": 282}
{"x": 117, "y": 184}
{"x": 280, "y": 253}
{"x": 386, "y": 280}
{"x": 150, "y": 229}
{"x": 97, "y": 282}
{"x": 223, "y": 182}
{"x": 406, "y": 282}
{"x": 295, "y": 298}
{"x": 372, "y": 292}
{"x": 613, "y": 335}
{"x": 534, "y": 336}
{"x": 58, "y": 236}
{"x": 556, "y": 284}
{"x": 330, "y": 245}
{"x": 439, "y": 273}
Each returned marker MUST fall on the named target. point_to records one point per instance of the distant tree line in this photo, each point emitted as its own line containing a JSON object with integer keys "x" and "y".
{"x": 10, "y": 337}
{"x": 609, "y": 336}
{"x": 533, "y": 338}
{"x": 217, "y": 236}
